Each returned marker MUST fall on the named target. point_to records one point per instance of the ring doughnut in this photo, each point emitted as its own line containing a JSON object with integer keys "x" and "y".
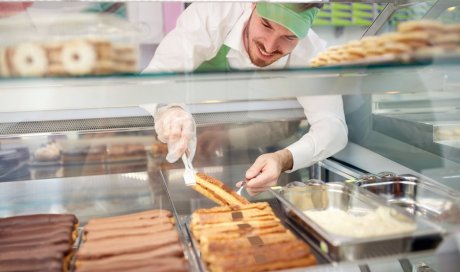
{"x": 78, "y": 57}
{"x": 30, "y": 60}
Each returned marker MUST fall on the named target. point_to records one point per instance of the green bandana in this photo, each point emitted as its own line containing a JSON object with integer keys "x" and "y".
{"x": 289, "y": 16}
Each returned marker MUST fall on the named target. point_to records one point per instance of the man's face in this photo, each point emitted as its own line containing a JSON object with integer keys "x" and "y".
{"x": 266, "y": 41}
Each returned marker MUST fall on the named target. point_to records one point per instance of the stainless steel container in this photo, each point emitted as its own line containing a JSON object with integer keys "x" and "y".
{"x": 357, "y": 202}
{"x": 434, "y": 202}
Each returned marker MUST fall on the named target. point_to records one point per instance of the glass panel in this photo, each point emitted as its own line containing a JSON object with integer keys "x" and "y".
{"x": 416, "y": 10}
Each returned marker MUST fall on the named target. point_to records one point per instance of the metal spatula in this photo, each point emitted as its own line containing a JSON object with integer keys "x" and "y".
{"x": 189, "y": 172}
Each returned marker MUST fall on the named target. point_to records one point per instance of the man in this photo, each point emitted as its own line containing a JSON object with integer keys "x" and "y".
{"x": 227, "y": 36}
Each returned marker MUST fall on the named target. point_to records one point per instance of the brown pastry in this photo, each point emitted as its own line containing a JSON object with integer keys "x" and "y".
{"x": 150, "y": 214}
{"x": 146, "y": 223}
{"x": 254, "y": 211}
{"x": 143, "y": 241}
{"x": 263, "y": 258}
{"x": 217, "y": 191}
{"x": 39, "y": 242}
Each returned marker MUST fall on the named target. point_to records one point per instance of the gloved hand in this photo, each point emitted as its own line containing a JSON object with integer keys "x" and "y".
{"x": 176, "y": 127}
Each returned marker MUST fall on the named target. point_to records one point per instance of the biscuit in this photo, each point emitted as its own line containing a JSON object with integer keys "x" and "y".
{"x": 28, "y": 59}
{"x": 396, "y": 48}
{"x": 78, "y": 57}
{"x": 452, "y": 28}
{"x": 430, "y": 26}
{"x": 447, "y": 41}
{"x": 418, "y": 39}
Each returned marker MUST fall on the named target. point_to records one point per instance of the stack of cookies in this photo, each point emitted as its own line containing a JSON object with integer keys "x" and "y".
{"x": 425, "y": 37}
{"x": 68, "y": 58}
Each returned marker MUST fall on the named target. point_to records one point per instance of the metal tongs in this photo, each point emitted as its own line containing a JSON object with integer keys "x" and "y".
{"x": 240, "y": 190}
{"x": 189, "y": 172}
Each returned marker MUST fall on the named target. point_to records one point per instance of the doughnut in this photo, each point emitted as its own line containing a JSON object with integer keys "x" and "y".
{"x": 29, "y": 59}
{"x": 78, "y": 57}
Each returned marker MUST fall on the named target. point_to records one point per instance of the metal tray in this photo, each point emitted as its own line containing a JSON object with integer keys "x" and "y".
{"x": 356, "y": 201}
{"x": 434, "y": 202}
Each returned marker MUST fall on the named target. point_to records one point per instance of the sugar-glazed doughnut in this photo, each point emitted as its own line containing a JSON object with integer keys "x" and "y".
{"x": 78, "y": 57}
{"x": 29, "y": 60}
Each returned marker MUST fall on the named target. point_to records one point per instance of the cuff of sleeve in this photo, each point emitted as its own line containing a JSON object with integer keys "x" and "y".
{"x": 154, "y": 109}
{"x": 150, "y": 108}
{"x": 302, "y": 153}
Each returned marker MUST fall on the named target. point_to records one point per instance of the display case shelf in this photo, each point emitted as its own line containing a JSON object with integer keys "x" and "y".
{"x": 22, "y": 94}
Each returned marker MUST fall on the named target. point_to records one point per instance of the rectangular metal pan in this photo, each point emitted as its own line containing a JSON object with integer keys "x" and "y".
{"x": 434, "y": 202}
{"x": 358, "y": 202}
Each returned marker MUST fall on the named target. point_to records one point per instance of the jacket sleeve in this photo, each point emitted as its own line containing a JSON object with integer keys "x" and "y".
{"x": 327, "y": 134}
{"x": 199, "y": 33}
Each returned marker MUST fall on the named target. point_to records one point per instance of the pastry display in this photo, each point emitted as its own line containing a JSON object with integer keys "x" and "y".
{"x": 247, "y": 238}
{"x": 217, "y": 191}
{"x": 144, "y": 241}
{"x": 84, "y": 56}
{"x": 84, "y": 154}
{"x": 74, "y": 154}
{"x": 49, "y": 153}
{"x": 39, "y": 242}
{"x": 125, "y": 152}
{"x": 412, "y": 38}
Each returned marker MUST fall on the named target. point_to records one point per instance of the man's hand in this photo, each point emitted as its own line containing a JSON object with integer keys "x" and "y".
{"x": 176, "y": 127}
{"x": 266, "y": 170}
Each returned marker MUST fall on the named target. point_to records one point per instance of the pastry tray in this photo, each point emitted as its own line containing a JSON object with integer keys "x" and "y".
{"x": 320, "y": 258}
{"x": 357, "y": 201}
{"x": 401, "y": 59}
{"x": 189, "y": 254}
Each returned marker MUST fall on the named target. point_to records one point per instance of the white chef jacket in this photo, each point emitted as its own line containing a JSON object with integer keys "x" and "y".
{"x": 200, "y": 32}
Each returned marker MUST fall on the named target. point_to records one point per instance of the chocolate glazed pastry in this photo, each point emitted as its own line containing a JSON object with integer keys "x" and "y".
{"x": 144, "y": 241}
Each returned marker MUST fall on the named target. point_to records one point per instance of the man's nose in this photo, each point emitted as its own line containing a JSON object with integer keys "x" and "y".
{"x": 271, "y": 44}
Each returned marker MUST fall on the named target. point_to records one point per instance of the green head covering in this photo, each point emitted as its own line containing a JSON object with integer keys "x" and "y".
{"x": 291, "y": 16}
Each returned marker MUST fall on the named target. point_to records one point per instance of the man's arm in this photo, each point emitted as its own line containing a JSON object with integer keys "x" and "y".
{"x": 200, "y": 32}
{"x": 328, "y": 132}
{"x": 327, "y": 135}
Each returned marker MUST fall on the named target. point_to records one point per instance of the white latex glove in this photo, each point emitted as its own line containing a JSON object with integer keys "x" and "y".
{"x": 176, "y": 127}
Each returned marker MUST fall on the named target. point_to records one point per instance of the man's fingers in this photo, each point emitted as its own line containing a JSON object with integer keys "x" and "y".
{"x": 256, "y": 191}
{"x": 256, "y": 168}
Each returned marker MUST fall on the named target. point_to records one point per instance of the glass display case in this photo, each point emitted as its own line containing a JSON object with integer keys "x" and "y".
{"x": 82, "y": 144}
